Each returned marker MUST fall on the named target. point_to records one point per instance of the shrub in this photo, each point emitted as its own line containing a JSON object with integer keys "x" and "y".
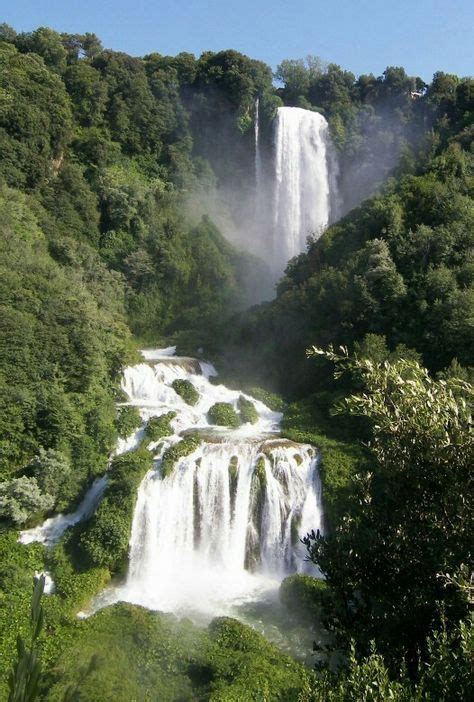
{"x": 53, "y": 473}
{"x": 186, "y": 390}
{"x": 128, "y": 420}
{"x": 177, "y": 451}
{"x": 224, "y": 415}
{"x": 305, "y": 597}
{"x": 21, "y": 498}
{"x": 248, "y": 412}
{"x": 158, "y": 427}
{"x": 270, "y": 399}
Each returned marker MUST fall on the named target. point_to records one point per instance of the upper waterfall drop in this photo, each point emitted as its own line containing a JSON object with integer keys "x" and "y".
{"x": 302, "y": 180}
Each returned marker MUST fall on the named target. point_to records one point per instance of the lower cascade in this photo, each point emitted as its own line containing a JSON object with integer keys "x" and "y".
{"x": 223, "y": 527}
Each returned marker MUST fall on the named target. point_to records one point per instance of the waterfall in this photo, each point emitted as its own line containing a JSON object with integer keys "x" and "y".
{"x": 302, "y": 177}
{"x": 258, "y": 156}
{"x": 223, "y": 528}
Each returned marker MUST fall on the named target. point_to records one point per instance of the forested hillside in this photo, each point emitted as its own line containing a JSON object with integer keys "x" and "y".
{"x": 109, "y": 165}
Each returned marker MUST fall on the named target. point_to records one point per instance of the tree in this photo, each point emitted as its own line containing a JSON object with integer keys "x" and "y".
{"x": 412, "y": 514}
{"x": 21, "y": 498}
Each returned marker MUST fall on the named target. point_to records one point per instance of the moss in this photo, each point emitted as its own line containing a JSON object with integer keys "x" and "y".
{"x": 158, "y": 427}
{"x": 248, "y": 412}
{"x": 224, "y": 415}
{"x": 128, "y": 420}
{"x": 260, "y": 473}
{"x": 257, "y": 500}
{"x": 305, "y": 596}
{"x": 174, "y": 453}
{"x": 233, "y": 478}
{"x": 186, "y": 390}
{"x": 270, "y": 399}
{"x": 298, "y": 459}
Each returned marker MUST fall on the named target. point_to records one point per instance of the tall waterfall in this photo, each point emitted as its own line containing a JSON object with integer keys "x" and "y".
{"x": 258, "y": 155}
{"x": 302, "y": 178}
{"x": 223, "y": 529}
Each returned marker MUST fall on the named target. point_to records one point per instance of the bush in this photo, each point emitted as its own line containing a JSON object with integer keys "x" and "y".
{"x": 104, "y": 539}
{"x": 248, "y": 412}
{"x": 177, "y": 451}
{"x": 21, "y": 499}
{"x": 53, "y": 472}
{"x": 158, "y": 427}
{"x": 224, "y": 415}
{"x": 186, "y": 390}
{"x": 305, "y": 597}
{"x": 128, "y": 420}
{"x": 270, "y": 399}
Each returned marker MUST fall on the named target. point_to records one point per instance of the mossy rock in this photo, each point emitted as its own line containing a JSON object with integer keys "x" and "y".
{"x": 177, "y": 451}
{"x": 248, "y": 411}
{"x": 260, "y": 473}
{"x": 224, "y": 415}
{"x": 306, "y": 597}
{"x": 295, "y": 529}
{"x": 186, "y": 391}
{"x": 233, "y": 477}
{"x": 159, "y": 427}
{"x": 270, "y": 399}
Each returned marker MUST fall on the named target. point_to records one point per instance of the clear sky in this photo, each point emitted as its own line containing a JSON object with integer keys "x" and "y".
{"x": 364, "y": 36}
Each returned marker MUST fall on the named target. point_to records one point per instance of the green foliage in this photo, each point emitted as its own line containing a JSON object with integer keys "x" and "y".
{"x": 223, "y": 414}
{"x": 169, "y": 659}
{"x": 75, "y": 586}
{"x": 306, "y": 596}
{"x": 245, "y": 666}
{"x": 159, "y": 427}
{"x": 21, "y": 499}
{"x": 179, "y": 450}
{"x": 446, "y": 675}
{"x": 35, "y": 118}
{"x": 272, "y": 400}
{"x": 411, "y": 501}
{"x": 128, "y": 420}
{"x": 64, "y": 339}
{"x": 186, "y": 390}
{"x": 53, "y": 473}
{"x": 247, "y": 410}
{"x": 104, "y": 539}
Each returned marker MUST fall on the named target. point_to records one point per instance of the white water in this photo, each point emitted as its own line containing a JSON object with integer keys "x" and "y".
{"x": 201, "y": 543}
{"x": 258, "y": 156}
{"x": 302, "y": 180}
{"x": 207, "y": 538}
{"x": 53, "y": 528}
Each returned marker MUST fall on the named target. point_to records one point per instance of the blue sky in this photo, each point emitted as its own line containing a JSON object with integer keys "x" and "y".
{"x": 361, "y": 35}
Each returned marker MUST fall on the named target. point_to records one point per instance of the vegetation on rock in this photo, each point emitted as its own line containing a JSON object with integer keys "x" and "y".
{"x": 223, "y": 414}
{"x": 186, "y": 390}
